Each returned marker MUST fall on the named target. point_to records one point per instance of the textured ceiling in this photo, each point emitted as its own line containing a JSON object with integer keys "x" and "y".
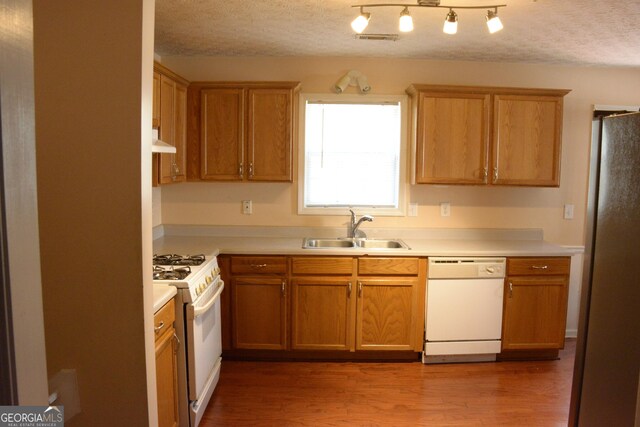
{"x": 573, "y": 32}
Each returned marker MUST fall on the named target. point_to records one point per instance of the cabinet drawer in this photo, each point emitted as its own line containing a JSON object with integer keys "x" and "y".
{"x": 392, "y": 265}
{"x": 322, "y": 265}
{"x": 163, "y": 319}
{"x": 258, "y": 265}
{"x": 535, "y": 266}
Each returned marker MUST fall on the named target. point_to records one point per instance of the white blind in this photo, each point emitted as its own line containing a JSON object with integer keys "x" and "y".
{"x": 352, "y": 155}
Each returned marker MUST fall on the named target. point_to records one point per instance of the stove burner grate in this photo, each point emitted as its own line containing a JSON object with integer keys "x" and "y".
{"x": 170, "y": 273}
{"x": 174, "y": 259}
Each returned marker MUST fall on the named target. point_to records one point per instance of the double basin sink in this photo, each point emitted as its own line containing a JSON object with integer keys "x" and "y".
{"x": 347, "y": 243}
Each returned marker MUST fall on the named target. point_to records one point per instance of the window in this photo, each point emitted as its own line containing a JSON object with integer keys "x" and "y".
{"x": 353, "y": 154}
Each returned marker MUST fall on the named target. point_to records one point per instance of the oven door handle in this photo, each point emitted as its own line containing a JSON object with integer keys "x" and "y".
{"x": 197, "y": 311}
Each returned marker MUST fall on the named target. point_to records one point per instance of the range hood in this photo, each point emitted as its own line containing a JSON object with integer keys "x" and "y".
{"x": 158, "y": 146}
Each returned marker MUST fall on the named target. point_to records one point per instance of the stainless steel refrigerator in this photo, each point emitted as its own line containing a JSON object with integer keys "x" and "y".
{"x": 607, "y": 374}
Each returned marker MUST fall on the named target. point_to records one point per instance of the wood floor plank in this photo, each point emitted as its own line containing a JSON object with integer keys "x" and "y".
{"x": 393, "y": 394}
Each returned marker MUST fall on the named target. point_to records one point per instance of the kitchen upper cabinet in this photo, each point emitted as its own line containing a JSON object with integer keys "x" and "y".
{"x": 527, "y": 140}
{"x": 166, "y": 365}
{"x": 170, "y": 101}
{"x": 487, "y": 135}
{"x": 535, "y": 304}
{"x": 453, "y": 135}
{"x": 241, "y": 131}
{"x": 156, "y": 100}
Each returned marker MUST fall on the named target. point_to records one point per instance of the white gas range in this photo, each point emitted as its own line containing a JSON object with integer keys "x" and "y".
{"x": 197, "y": 327}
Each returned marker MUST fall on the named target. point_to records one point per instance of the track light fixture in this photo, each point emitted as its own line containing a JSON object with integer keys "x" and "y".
{"x": 493, "y": 22}
{"x": 450, "y": 23}
{"x": 406, "y": 21}
{"x": 361, "y": 22}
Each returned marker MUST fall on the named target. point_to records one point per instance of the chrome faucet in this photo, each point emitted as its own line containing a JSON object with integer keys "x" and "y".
{"x": 355, "y": 224}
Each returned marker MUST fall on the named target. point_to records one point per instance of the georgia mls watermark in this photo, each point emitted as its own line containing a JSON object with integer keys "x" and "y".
{"x": 31, "y": 416}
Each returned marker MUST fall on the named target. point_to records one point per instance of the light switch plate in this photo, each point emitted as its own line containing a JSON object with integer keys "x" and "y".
{"x": 413, "y": 209}
{"x": 568, "y": 211}
{"x": 445, "y": 209}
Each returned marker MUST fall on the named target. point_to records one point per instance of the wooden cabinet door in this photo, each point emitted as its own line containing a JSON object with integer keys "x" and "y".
{"x": 322, "y": 313}
{"x": 180, "y": 133}
{"x": 222, "y": 137}
{"x": 527, "y": 132}
{"x": 452, "y": 138}
{"x": 167, "y": 379}
{"x": 167, "y": 128}
{"x": 535, "y": 312}
{"x": 386, "y": 314}
{"x": 166, "y": 365}
{"x": 259, "y": 313}
{"x": 269, "y": 134}
{"x": 156, "y": 100}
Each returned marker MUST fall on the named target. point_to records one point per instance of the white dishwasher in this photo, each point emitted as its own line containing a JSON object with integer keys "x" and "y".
{"x": 463, "y": 316}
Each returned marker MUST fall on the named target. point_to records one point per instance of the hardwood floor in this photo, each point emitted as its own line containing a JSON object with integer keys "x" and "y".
{"x": 393, "y": 394}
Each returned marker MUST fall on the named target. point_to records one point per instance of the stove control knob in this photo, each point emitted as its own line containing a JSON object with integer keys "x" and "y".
{"x": 197, "y": 292}
{"x": 208, "y": 279}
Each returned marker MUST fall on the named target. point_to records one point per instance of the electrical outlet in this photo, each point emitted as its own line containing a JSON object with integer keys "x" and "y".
{"x": 413, "y": 209}
{"x": 63, "y": 389}
{"x": 247, "y": 207}
{"x": 445, "y": 209}
{"x": 568, "y": 211}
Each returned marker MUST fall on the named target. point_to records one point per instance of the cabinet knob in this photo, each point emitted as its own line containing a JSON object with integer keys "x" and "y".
{"x": 251, "y": 170}
{"x": 349, "y": 290}
{"x": 485, "y": 175}
{"x": 283, "y": 289}
{"x": 359, "y": 289}
{"x": 495, "y": 174}
{"x": 240, "y": 169}
{"x": 510, "y": 290}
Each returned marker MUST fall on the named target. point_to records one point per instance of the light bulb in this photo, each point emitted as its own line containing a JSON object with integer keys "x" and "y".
{"x": 361, "y": 22}
{"x": 450, "y": 23}
{"x": 406, "y": 22}
{"x": 493, "y": 22}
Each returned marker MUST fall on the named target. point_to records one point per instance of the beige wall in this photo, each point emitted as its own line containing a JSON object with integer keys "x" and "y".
{"x": 93, "y": 133}
{"x": 275, "y": 204}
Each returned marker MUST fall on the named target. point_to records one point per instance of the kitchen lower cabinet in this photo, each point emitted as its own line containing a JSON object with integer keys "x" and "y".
{"x": 258, "y": 302}
{"x": 259, "y": 313}
{"x": 166, "y": 365}
{"x": 338, "y": 305}
{"x": 322, "y": 311}
{"x": 387, "y": 314}
{"x": 535, "y": 305}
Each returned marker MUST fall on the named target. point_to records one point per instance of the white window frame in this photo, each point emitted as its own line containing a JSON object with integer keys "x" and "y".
{"x": 402, "y": 179}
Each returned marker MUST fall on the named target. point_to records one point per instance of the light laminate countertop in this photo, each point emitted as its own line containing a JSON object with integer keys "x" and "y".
{"x": 472, "y": 243}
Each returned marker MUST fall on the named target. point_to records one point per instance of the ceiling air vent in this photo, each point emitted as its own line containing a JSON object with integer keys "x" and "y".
{"x": 385, "y": 37}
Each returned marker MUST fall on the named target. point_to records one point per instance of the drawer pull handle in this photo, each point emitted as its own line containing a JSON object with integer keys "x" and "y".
{"x": 539, "y": 267}
{"x": 258, "y": 265}
{"x": 159, "y": 327}
{"x": 175, "y": 337}
{"x": 510, "y": 290}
